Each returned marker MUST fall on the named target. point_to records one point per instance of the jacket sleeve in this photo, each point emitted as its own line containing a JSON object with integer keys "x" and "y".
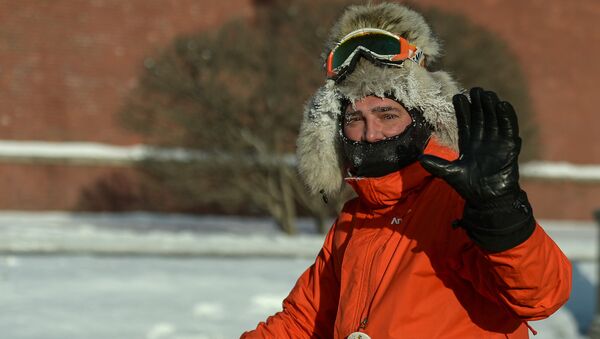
{"x": 310, "y": 309}
{"x": 532, "y": 279}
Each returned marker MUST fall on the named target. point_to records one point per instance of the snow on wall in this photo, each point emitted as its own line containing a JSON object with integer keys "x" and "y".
{"x": 97, "y": 153}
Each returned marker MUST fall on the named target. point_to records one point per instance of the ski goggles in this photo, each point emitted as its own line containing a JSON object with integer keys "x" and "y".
{"x": 377, "y": 45}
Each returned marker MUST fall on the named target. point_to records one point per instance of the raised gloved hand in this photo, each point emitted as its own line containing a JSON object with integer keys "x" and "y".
{"x": 497, "y": 213}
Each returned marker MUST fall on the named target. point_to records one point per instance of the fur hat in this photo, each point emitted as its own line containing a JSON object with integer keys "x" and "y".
{"x": 320, "y": 157}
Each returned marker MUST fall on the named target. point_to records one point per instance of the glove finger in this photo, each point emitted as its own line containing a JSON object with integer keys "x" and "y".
{"x": 463, "y": 121}
{"x": 489, "y": 100}
{"x": 476, "y": 114}
{"x": 508, "y": 125}
{"x": 439, "y": 167}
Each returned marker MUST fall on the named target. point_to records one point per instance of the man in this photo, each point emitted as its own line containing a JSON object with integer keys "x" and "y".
{"x": 441, "y": 241}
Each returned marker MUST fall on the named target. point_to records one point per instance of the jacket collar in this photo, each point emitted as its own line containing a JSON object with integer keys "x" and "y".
{"x": 382, "y": 192}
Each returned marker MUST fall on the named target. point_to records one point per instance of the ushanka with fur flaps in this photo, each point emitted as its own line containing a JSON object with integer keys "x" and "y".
{"x": 320, "y": 156}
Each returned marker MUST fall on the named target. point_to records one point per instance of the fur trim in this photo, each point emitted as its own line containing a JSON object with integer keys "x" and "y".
{"x": 318, "y": 146}
{"x": 320, "y": 157}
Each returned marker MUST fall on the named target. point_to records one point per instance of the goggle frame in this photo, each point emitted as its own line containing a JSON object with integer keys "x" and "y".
{"x": 407, "y": 52}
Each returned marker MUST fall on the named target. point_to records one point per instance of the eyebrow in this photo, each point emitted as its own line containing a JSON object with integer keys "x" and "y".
{"x": 377, "y": 109}
{"x": 384, "y": 109}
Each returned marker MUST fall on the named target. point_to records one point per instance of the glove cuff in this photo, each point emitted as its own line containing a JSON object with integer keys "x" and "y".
{"x": 500, "y": 224}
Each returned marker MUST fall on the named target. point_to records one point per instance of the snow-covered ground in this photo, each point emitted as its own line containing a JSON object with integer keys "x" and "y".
{"x": 170, "y": 276}
{"x": 64, "y": 297}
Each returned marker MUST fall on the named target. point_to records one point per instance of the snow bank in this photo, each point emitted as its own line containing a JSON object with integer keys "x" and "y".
{"x": 150, "y": 234}
{"x": 163, "y": 234}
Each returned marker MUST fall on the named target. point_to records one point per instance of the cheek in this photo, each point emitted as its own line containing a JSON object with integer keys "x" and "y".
{"x": 397, "y": 126}
{"x": 353, "y": 132}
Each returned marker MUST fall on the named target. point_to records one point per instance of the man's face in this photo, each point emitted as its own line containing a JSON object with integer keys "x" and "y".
{"x": 373, "y": 119}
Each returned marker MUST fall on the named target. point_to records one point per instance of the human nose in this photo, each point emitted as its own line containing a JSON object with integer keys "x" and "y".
{"x": 373, "y": 131}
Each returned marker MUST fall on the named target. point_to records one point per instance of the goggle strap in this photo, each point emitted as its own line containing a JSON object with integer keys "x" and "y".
{"x": 417, "y": 56}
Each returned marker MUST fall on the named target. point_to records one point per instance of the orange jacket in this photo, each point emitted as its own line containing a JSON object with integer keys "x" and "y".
{"x": 393, "y": 267}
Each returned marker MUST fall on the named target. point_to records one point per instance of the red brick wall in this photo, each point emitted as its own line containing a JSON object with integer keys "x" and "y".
{"x": 562, "y": 200}
{"x": 54, "y": 187}
{"x": 66, "y": 65}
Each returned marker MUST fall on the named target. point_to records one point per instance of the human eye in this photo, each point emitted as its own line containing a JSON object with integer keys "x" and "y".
{"x": 390, "y": 116}
{"x": 386, "y": 113}
{"x": 349, "y": 119}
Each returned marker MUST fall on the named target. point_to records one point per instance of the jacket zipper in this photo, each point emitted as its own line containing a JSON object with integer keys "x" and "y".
{"x": 363, "y": 316}
{"x": 363, "y": 300}
{"x": 371, "y": 288}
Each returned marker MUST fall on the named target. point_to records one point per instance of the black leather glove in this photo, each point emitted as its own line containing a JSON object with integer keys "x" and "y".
{"x": 497, "y": 214}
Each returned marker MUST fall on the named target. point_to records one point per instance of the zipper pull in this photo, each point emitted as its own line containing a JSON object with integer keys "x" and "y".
{"x": 363, "y": 324}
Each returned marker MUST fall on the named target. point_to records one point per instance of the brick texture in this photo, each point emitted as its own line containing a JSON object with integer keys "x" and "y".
{"x": 66, "y": 65}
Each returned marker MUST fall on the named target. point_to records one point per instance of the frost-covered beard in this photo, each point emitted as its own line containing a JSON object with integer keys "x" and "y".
{"x": 365, "y": 159}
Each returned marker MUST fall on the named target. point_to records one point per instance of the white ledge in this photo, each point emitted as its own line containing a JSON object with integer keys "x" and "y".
{"x": 90, "y": 153}
{"x": 560, "y": 171}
